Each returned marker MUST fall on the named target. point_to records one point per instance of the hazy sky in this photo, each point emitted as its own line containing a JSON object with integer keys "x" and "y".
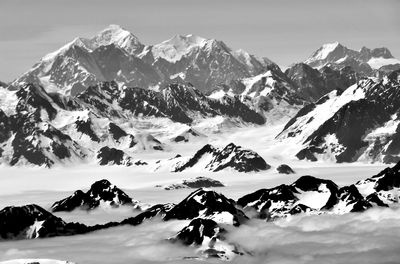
{"x": 285, "y": 31}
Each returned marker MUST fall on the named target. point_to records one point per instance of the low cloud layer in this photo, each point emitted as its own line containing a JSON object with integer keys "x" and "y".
{"x": 369, "y": 237}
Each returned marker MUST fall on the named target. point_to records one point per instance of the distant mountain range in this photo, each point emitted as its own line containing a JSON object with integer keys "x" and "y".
{"x": 90, "y": 100}
{"x": 116, "y": 54}
{"x": 365, "y": 60}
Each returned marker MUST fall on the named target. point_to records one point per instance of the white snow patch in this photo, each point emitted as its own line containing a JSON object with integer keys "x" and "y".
{"x": 33, "y": 230}
{"x": 376, "y": 63}
{"x": 174, "y": 49}
{"x": 314, "y": 199}
{"x": 323, "y": 52}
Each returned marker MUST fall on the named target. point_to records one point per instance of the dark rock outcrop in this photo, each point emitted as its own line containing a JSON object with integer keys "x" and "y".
{"x": 231, "y": 156}
{"x": 32, "y": 221}
{"x": 285, "y": 169}
{"x": 100, "y": 193}
{"x": 198, "y": 182}
{"x": 113, "y": 156}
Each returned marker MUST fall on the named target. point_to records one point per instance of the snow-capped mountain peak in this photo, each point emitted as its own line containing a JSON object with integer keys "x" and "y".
{"x": 114, "y": 54}
{"x": 189, "y": 39}
{"x": 178, "y": 46}
{"x": 327, "y": 52}
{"x": 115, "y": 34}
{"x": 365, "y": 61}
{"x": 326, "y": 49}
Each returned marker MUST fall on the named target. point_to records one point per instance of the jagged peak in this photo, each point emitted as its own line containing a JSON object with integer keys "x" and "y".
{"x": 324, "y": 51}
{"x": 52, "y": 55}
{"x": 113, "y": 34}
{"x": 364, "y": 50}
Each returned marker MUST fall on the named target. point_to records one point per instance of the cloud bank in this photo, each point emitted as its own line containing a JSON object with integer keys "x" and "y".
{"x": 369, "y": 237}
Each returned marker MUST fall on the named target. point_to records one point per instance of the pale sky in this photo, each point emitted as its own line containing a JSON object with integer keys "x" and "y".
{"x": 286, "y": 31}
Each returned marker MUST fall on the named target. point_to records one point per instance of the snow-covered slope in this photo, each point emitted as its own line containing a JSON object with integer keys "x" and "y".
{"x": 357, "y": 124}
{"x": 271, "y": 93}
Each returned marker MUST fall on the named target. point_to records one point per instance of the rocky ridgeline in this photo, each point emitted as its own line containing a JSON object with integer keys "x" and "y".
{"x": 31, "y": 133}
{"x": 358, "y": 124}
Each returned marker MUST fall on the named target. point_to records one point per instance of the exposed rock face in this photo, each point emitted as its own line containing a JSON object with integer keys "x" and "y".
{"x": 357, "y": 124}
{"x": 101, "y": 194}
{"x": 317, "y": 196}
{"x": 198, "y": 182}
{"x": 33, "y": 141}
{"x": 272, "y": 93}
{"x": 350, "y": 200}
{"x": 307, "y": 194}
{"x": 207, "y": 204}
{"x": 231, "y": 156}
{"x": 202, "y": 203}
{"x": 312, "y": 84}
{"x": 209, "y": 236}
{"x": 197, "y": 230}
{"x": 187, "y": 135}
{"x": 156, "y": 210}
{"x": 28, "y": 136}
{"x": 284, "y": 169}
{"x": 382, "y": 189}
{"x": 62, "y": 129}
{"x": 32, "y": 221}
{"x": 180, "y": 102}
{"x": 113, "y": 156}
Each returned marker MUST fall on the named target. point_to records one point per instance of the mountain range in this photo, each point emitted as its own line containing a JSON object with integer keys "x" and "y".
{"x": 95, "y": 100}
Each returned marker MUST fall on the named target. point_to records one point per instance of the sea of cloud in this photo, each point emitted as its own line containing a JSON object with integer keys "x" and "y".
{"x": 369, "y": 237}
